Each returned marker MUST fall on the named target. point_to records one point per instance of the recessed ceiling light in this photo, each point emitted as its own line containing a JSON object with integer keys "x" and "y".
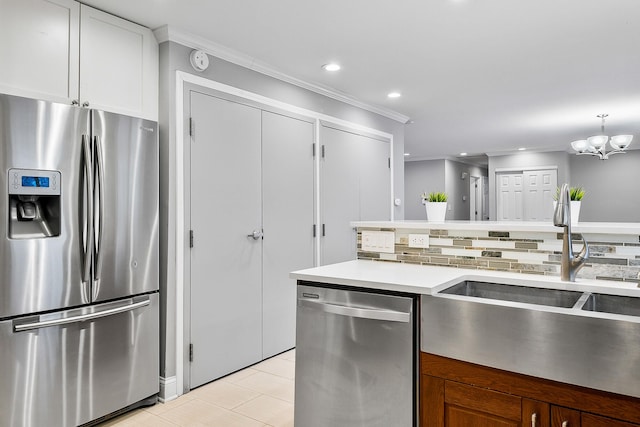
{"x": 521, "y": 149}
{"x": 332, "y": 66}
{"x": 394, "y": 95}
{"x": 463, "y": 154}
{"x": 407, "y": 154}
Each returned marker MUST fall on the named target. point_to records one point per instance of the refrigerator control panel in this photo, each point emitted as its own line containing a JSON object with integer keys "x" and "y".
{"x": 34, "y": 182}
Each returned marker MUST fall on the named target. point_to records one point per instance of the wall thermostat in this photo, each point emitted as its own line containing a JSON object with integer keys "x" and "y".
{"x": 199, "y": 60}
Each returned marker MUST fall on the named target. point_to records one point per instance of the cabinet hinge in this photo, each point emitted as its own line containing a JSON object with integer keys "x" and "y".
{"x": 191, "y": 125}
{"x": 190, "y": 238}
{"x": 190, "y": 352}
{"x": 323, "y": 151}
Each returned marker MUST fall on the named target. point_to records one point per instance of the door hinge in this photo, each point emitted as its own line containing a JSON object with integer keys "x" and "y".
{"x": 190, "y": 352}
{"x": 190, "y": 238}
{"x": 389, "y": 162}
{"x": 191, "y": 127}
{"x": 323, "y": 151}
{"x": 323, "y": 230}
{"x": 314, "y": 230}
{"x": 313, "y": 149}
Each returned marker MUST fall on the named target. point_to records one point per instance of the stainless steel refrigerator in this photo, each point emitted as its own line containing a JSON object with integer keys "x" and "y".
{"x": 79, "y": 305}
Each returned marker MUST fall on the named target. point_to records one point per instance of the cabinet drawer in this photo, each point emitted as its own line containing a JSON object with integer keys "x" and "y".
{"x": 483, "y": 400}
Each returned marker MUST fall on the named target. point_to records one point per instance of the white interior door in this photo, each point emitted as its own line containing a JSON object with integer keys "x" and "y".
{"x": 226, "y": 270}
{"x": 510, "y": 196}
{"x": 288, "y": 207}
{"x": 539, "y": 188}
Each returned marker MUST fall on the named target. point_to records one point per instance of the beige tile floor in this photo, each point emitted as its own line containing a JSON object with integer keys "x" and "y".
{"x": 258, "y": 396}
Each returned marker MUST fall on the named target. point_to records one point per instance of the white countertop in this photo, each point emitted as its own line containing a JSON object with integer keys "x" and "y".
{"x": 581, "y": 227}
{"x": 427, "y": 280}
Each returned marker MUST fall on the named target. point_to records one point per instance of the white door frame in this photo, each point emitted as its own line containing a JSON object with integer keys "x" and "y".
{"x": 180, "y": 231}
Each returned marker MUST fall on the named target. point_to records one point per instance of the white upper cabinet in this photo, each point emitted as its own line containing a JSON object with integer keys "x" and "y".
{"x": 62, "y": 51}
{"x": 118, "y": 65}
{"x": 39, "y": 48}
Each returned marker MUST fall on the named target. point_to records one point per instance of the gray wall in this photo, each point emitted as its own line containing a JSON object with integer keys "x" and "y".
{"x": 611, "y": 187}
{"x": 427, "y": 176}
{"x": 421, "y": 177}
{"x": 526, "y": 160}
{"x": 173, "y": 57}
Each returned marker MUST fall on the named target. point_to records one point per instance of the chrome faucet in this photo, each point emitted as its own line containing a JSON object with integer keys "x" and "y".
{"x": 569, "y": 264}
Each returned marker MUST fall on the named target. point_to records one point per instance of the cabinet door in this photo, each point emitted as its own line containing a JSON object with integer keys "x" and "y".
{"x": 118, "y": 65}
{"x": 589, "y": 420}
{"x": 564, "y": 417}
{"x": 535, "y": 413}
{"x": 39, "y": 49}
{"x": 466, "y": 405}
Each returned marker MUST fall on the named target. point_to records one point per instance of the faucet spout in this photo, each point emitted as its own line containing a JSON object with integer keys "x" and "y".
{"x": 570, "y": 264}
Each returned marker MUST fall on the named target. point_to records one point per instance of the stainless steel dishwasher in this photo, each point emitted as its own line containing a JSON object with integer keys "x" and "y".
{"x": 356, "y": 358}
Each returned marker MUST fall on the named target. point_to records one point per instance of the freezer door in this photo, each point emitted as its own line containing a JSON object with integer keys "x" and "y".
{"x": 127, "y": 187}
{"x": 43, "y": 273}
{"x": 68, "y": 368}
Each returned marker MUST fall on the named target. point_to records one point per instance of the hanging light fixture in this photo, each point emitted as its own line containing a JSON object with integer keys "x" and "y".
{"x": 597, "y": 145}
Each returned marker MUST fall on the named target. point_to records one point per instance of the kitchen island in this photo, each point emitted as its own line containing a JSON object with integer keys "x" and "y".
{"x": 460, "y": 381}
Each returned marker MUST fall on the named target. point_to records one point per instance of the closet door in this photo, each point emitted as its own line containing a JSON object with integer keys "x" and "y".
{"x": 287, "y": 218}
{"x": 510, "y": 190}
{"x": 355, "y": 185}
{"x": 226, "y": 259}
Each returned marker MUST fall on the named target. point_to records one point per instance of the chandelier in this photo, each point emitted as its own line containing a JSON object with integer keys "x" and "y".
{"x": 597, "y": 145}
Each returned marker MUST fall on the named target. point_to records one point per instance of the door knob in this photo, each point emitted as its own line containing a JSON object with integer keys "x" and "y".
{"x": 256, "y": 235}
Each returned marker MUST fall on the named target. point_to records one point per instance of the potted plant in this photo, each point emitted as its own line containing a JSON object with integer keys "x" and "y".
{"x": 436, "y": 206}
{"x": 575, "y": 196}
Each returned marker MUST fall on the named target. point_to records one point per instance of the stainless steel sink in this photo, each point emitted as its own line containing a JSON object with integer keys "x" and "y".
{"x": 614, "y": 304}
{"x": 513, "y": 293}
{"x": 545, "y": 333}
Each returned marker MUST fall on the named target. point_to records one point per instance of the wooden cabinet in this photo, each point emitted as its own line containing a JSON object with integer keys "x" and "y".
{"x": 61, "y": 51}
{"x": 455, "y": 393}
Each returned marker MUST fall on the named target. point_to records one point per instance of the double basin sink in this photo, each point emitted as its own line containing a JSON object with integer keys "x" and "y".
{"x": 603, "y": 303}
{"x": 581, "y": 338}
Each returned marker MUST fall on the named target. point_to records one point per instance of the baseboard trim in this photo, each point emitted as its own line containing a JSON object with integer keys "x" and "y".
{"x": 168, "y": 389}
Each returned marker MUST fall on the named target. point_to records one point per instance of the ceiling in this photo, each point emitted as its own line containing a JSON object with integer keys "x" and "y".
{"x": 476, "y": 76}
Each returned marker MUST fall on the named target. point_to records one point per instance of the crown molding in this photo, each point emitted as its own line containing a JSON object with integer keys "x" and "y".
{"x": 167, "y": 33}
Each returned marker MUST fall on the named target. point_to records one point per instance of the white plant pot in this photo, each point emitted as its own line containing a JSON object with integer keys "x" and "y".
{"x": 436, "y": 211}
{"x": 575, "y": 210}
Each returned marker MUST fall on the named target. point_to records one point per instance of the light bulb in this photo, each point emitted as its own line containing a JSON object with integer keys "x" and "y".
{"x": 621, "y": 142}
{"x": 580, "y": 146}
{"x": 598, "y": 142}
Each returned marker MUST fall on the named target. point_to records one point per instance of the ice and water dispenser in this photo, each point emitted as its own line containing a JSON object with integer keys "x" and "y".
{"x": 34, "y": 203}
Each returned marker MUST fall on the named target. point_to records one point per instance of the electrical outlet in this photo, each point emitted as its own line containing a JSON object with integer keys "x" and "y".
{"x": 418, "y": 240}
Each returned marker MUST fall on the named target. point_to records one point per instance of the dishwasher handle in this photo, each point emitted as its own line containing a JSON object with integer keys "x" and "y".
{"x": 359, "y": 312}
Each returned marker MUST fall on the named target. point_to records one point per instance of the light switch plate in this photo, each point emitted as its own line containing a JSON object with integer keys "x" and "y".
{"x": 378, "y": 241}
{"x": 418, "y": 240}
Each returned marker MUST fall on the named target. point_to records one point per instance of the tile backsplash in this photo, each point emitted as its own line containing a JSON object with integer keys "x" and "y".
{"x": 613, "y": 257}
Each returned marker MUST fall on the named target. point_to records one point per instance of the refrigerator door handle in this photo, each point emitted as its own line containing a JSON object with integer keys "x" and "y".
{"x": 80, "y": 318}
{"x": 360, "y": 312}
{"x": 88, "y": 213}
{"x": 100, "y": 194}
